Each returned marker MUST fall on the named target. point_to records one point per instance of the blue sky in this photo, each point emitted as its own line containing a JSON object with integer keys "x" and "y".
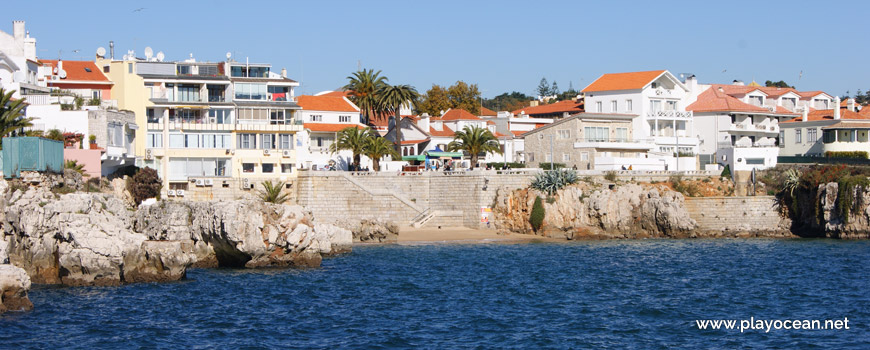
{"x": 500, "y": 45}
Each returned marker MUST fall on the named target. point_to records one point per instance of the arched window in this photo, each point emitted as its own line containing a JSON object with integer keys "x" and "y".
{"x": 412, "y": 150}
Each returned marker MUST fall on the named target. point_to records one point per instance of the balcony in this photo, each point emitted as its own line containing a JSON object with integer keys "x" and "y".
{"x": 747, "y": 144}
{"x": 614, "y": 143}
{"x": 669, "y": 115}
{"x": 754, "y": 128}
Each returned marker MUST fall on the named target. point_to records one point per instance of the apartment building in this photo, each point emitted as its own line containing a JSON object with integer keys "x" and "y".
{"x": 657, "y": 102}
{"x": 212, "y": 128}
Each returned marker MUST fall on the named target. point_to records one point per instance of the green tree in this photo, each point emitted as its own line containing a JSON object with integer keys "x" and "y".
{"x": 362, "y": 87}
{"x": 273, "y": 192}
{"x": 144, "y": 184}
{"x": 12, "y": 113}
{"x": 54, "y": 134}
{"x": 474, "y": 140}
{"x": 75, "y": 166}
{"x": 543, "y": 88}
{"x": 464, "y": 96}
{"x": 353, "y": 139}
{"x": 779, "y": 84}
{"x": 391, "y": 99}
{"x": 508, "y": 101}
{"x": 536, "y": 219}
{"x": 377, "y": 148}
{"x": 554, "y": 90}
{"x": 434, "y": 100}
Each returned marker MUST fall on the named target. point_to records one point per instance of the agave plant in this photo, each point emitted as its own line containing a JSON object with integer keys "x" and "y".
{"x": 553, "y": 181}
{"x": 271, "y": 192}
{"x": 791, "y": 181}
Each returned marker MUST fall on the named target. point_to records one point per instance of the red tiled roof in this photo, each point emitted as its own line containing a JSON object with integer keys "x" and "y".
{"x": 458, "y": 114}
{"x": 714, "y": 100}
{"x": 445, "y": 132}
{"x": 783, "y": 110}
{"x": 323, "y": 127}
{"x": 326, "y": 103}
{"x": 75, "y": 71}
{"x": 865, "y": 111}
{"x": 498, "y": 134}
{"x": 490, "y": 122}
{"x": 809, "y": 94}
{"x": 623, "y": 81}
{"x": 558, "y": 107}
{"x": 335, "y": 94}
{"x": 487, "y": 112}
{"x": 828, "y": 114}
{"x": 413, "y": 142}
{"x": 518, "y": 133}
{"x": 776, "y": 92}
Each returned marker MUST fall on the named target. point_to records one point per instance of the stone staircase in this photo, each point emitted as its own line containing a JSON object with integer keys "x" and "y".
{"x": 423, "y": 218}
{"x": 424, "y": 214}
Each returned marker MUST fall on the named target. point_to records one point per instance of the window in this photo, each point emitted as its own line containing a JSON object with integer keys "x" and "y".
{"x": 191, "y": 141}
{"x": 654, "y": 85}
{"x": 183, "y": 168}
{"x": 797, "y": 135}
{"x": 285, "y": 141}
{"x": 566, "y": 157}
{"x": 268, "y": 168}
{"x": 130, "y": 68}
{"x": 655, "y": 105}
{"x": 247, "y": 141}
{"x": 812, "y": 135}
{"x": 531, "y": 157}
{"x": 564, "y": 134}
{"x": 176, "y": 141}
{"x": 267, "y": 141}
{"x": 789, "y": 103}
{"x": 286, "y": 168}
{"x": 344, "y": 119}
{"x": 215, "y": 93}
{"x": 219, "y": 116}
{"x": 115, "y": 135}
{"x": 756, "y": 100}
{"x": 95, "y": 94}
{"x": 153, "y": 140}
{"x": 317, "y": 118}
{"x": 755, "y": 161}
{"x": 621, "y": 134}
{"x": 548, "y": 157}
{"x": 321, "y": 141}
{"x": 829, "y": 136}
{"x": 584, "y": 156}
{"x": 598, "y": 107}
{"x": 821, "y": 103}
{"x": 596, "y": 133}
{"x": 259, "y": 116}
{"x": 628, "y": 105}
{"x": 250, "y": 91}
{"x": 247, "y": 167}
{"x": 613, "y": 106}
{"x": 671, "y": 106}
{"x": 105, "y": 69}
{"x": 781, "y": 140}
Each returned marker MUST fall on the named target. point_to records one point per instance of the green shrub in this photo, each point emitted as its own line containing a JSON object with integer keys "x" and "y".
{"x": 726, "y": 172}
{"x": 846, "y": 194}
{"x": 272, "y": 192}
{"x": 553, "y": 181}
{"x": 847, "y": 154}
{"x": 144, "y": 184}
{"x": 510, "y": 165}
{"x": 75, "y": 166}
{"x": 546, "y": 166}
{"x": 610, "y": 176}
{"x": 537, "y": 216}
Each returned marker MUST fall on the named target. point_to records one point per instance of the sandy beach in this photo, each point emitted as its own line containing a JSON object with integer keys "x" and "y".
{"x": 410, "y": 235}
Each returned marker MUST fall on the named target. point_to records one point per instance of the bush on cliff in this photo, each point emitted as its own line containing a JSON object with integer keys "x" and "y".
{"x": 537, "y": 217}
{"x": 144, "y": 184}
{"x": 726, "y": 172}
{"x": 553, "y": 181}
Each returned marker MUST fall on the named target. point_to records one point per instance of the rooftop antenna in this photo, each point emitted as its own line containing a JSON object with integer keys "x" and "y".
{"x": 229, "y": 54}
{"x": 112, "y": 49}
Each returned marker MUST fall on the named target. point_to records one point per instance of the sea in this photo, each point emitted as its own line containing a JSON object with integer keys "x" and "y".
{"x": 618, "y": 294}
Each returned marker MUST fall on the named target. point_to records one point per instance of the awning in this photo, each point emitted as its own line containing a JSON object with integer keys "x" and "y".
{"x": 419, "y": 157}
{"x": 435, "y": 154}
{"x": 132, "y": 126}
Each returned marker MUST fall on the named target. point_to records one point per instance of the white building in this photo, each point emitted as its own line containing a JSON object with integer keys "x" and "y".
{"x": 826, "y": 130}
{"x": 19, "y": 69}
{"x": 658, "y": 101}
{"x": 324, "y": 115}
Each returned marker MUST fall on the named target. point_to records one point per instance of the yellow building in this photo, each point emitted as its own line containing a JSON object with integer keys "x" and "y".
{"x": 213, "y": 130}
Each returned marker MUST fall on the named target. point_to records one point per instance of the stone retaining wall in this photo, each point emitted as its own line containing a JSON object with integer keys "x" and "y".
{"x": 751, "y": 214}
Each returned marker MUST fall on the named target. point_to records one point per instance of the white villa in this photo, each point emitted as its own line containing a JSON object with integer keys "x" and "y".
{"x": 324, "y": 115}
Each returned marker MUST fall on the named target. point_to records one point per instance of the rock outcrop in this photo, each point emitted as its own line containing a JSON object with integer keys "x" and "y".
{"x": 82, "y": 239}
{"x": 834, "y": 222}
{"x": 14, "y": 285}
{"x": 372, "y": 231}
{"x": 583, "y": 211}
{"x": 246, "y": 233}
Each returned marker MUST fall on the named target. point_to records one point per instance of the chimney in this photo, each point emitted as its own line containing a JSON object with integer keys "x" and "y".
{"x": 738, "y": 82}
{"x": 692, "y": 83}
{"x": 850, "y": 104}
{"x": 805, "y": 113}
{"x": 111, "y": 50}
{"x": 423, "y": 122}
{"x": 533, "y": 103}
{"x": 283, "y": 72}
{"x": 18, "y": 31}
{"x": 837, "y": 108}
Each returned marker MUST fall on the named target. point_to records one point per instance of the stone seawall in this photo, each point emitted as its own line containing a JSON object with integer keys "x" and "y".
{"x": 454, "y": 199}
{"x": 759, "y": 215}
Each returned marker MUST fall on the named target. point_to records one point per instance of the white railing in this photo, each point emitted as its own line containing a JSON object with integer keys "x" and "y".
{"x": 670, "y": 114}
{"x": 40, "y": 99}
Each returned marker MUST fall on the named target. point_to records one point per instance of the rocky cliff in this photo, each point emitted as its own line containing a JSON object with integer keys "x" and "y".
{"x": 14, "y": 285}
{"x": 593, "y": 211}
{"x": 246, "y": 233}
{"x": 834, "y": 222}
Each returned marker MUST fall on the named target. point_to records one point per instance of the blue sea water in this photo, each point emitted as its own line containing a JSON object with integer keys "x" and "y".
{"x": 603, "y": 294}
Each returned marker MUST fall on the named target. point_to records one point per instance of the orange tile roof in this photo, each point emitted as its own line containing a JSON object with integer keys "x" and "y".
{"x": 783, "y": 110}
{"x": 518, "y": 133}
{"x": 775, "y": 92}
{"x": 623, "y": 81}
{"x": 75, "y": 71}
{"x": 344, "y": 93}
{"x": 714, "y": 100}
{"x": 828, "y": 114}
{"x": 864, "y": 124}
{"x": 445, "y": 132}
{"x": 498, "y": 134}
{"x": 326, "y": 103}
{"x": 490, "y": 122}
{"x": 865, "y": 111}
{"x": 558, "y": 107}
{"x": 413, "y": 142}
{"x": 324, "y": 127}
{"x": 458, "y": 114}
{"x": 487, "y": 112}
{"x": 805, "y": 95}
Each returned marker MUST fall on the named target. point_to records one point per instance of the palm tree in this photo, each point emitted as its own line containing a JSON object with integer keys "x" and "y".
{"x": 391, "y": 99}
{"x": 75, "y": 166}
{"x": 377, "y": 148}
{"x": 362, "y": 87}
{"x": 353, "y": 139}
{"x": 11, "y": 113}
{"x": 474, "y": 140}
{"x": 272, "y": 192}
{"x": 54, "y": 134}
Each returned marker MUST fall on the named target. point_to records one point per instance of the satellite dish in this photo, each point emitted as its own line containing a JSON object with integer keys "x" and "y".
{"x": 148, "y": 52}
{"x": 18, "y": 76}
{"x": 101, "y": 51}
{"x": 160, "y": 56}
{"x": 62, "y": 74}
{"x": 229, "y": 54}
{"x": 54, "y": 70}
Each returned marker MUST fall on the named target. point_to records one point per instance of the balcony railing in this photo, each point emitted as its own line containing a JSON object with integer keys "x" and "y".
{"x": 669, "y": 114}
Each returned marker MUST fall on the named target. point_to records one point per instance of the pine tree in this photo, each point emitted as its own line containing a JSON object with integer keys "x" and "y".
{"x": 555, "y": 89}
{"x": 543, "y": 88}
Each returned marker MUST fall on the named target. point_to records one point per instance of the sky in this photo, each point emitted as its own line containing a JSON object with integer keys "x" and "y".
{"x": 502, "y": 46}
